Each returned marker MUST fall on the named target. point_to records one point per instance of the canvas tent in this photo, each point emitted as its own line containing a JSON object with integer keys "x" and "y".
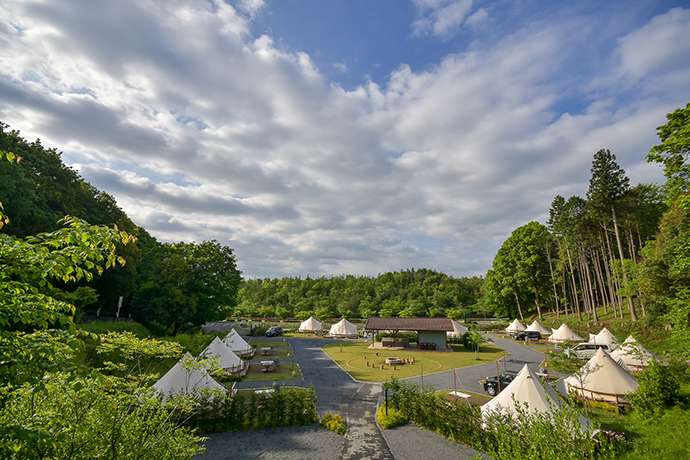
{"x": 632, "y": 355}
{"x": 228, "y": 360}
{"x": 237, "y": 344}
{"x": 564, "y": 334}
{"x": 602, "y": 379}
{"x": 458, "y": 330}
{"x": 179, "y": 380}
{"x": 343, "y": 328}
{"x": 604, "y": 337}
{"x": 536, "y": 326}
{"x": 526, "y": 391}
{"x": 515, "y": 326}
{"x": 310, "y": 325}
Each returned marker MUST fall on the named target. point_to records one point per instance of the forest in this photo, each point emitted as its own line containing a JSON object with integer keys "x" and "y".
{"x": 167, "y": 286}
{"x": 408, "y": 293}
{"x": 621, "y": 249}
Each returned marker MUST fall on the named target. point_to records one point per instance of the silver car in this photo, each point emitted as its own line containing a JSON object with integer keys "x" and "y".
{"x": 584, "y": 351}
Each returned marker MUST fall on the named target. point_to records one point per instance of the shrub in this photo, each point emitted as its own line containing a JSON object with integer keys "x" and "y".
{"x": 249, "y": 410}
{"x": 334, "y": 422}
{"x": 392, "y": 419}
{"x": 102, "y": 327}
{"x": 659, "y": 388}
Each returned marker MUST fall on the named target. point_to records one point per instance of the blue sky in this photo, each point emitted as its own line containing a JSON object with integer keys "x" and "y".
{"x": 329, "y": 137}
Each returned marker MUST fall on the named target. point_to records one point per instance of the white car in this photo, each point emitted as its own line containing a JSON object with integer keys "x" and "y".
{"x": 584, "y": 351}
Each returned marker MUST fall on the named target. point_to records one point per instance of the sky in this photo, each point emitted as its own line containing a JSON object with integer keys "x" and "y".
{"x": 343, "y": 136}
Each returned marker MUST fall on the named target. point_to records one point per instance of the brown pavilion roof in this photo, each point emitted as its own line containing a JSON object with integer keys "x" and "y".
{"x": 409, "y": 324}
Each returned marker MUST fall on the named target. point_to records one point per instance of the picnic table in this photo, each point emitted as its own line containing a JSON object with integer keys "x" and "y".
{"x": 268, "y": 366}
{"x": 265, "y": 350}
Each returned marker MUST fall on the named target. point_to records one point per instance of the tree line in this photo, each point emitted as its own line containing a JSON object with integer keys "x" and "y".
{"x": 622, "y": 250}
{"x": 167, "y": 286}
{"x": 407, "y": 293}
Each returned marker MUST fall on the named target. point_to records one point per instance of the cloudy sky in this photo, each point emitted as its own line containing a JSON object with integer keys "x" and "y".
{"x": 349, "y": 136}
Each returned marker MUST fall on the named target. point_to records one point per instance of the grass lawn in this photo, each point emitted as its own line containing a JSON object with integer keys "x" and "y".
{"x": 353, "y": 357}
{"x": 267, "y": 343}
{"x": 304, "y": 335}
{"x": 476, "y": 399}
{"x": 285, "y": 371}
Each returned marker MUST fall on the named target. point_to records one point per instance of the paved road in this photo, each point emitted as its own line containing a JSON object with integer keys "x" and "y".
{"x": 337, "y": 392}
{"x": 468, "y": 377}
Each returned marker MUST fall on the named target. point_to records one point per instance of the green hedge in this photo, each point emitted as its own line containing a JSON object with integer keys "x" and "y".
{"x": 250, "y": 410}
{"x": 526, "y": 437}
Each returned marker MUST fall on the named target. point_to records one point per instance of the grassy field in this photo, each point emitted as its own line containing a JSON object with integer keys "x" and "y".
{"x": 267, "y": 343}
{"x": 353, "y": 357}
{"x": 476, "y": 399}
{"x": 285, "y": 371}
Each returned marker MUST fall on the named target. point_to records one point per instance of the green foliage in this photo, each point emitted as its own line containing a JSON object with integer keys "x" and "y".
{"x": 250, "y": 410}
{"x": 519, "y": 276}
{"x": 407, "y": 293}
{"x": 392, "y": 419}
{"x": 101, "y": 327}
{"x": 527, "y": 436}
{"x": 673, "y": 151}
{"x": 334, "y": 422}
{"x": 185, "y": 284}
{"x": 89, "y": 417}
{"x": 659, "y": 389}
{"x": 657, "y": 437}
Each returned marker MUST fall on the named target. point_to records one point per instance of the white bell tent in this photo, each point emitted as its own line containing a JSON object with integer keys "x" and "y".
{"x": 632, "y": 355}
{"x": 227, "y": 359}
{"x": 181, "y": 379}
{"x": 343, "y": 328}
{"x": 604, "y": 337}
{"x": 536, "y": 326}
{"x": 515, "y": 326}
{"x": 602, "y": 379}
{"x": 564, "y": 334}
{"x": 237, "y": 344}
{"x": 310, "y": 325}
{"x": 458, "y": 330}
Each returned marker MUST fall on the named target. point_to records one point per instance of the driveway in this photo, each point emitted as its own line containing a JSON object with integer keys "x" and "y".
{"x": 468, "y": 377}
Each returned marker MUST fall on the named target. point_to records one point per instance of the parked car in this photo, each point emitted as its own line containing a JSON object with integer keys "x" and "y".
{"x": 583, "y": 351}
{"x": 274, "y": 331}
{"x": 528, "y": 335}
{"x": 491, "y": 384}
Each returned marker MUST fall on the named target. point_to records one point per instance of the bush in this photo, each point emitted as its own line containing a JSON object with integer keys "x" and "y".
{"x": 659, "y": 388}
{"x": 335, "y": 423}
{"x": 102, "y": 327}
{"x": 526, "y": 437}
{"x": 249, "y": 410}
{"x": 392, "y": 419}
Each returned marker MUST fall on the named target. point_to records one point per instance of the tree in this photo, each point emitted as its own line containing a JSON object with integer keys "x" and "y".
{"x": 673, "y": 151}
{"x": 520, "y": 270}
{"x": 607, "y": 186}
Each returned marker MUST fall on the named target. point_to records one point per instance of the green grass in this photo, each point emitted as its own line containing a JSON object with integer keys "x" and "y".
{"x": 267, "y": 343}
{"x": 476, "y": 399}
{"x": 285, "y": 371}
{"x": 353, "y": 357}
{"x": 102, "y": 327}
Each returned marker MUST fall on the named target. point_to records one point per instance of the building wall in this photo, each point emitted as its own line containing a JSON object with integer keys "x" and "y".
{"x": 437, "y": 337}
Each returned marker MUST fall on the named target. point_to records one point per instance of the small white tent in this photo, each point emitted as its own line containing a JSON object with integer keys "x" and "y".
{"x": 527, "y": 392}
{"x": 237, "y": 344}
{"x": 180, "y": 380}
{"x": 602, "y": 379}
{"x": 515, "y": 326}
{"x": 564, "y": 334}
{"x": 536, "y": 326}
{"x": 343, "y": 328}
{"x": 604, "y": 337}
{"x": 227, "y": 359}
{"x": 310, "y": 325}
{"x": 632, "y": 355}
{"x": 458, "y": 330}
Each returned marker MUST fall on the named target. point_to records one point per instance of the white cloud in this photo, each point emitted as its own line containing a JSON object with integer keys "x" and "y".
{"x": 201, "y": 130}
{"x": 443, "y": 17}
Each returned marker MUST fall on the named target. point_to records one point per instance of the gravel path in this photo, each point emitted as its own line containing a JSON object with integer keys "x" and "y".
{"x": 410, "y": 442}
{"x": 294, "y": 443}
